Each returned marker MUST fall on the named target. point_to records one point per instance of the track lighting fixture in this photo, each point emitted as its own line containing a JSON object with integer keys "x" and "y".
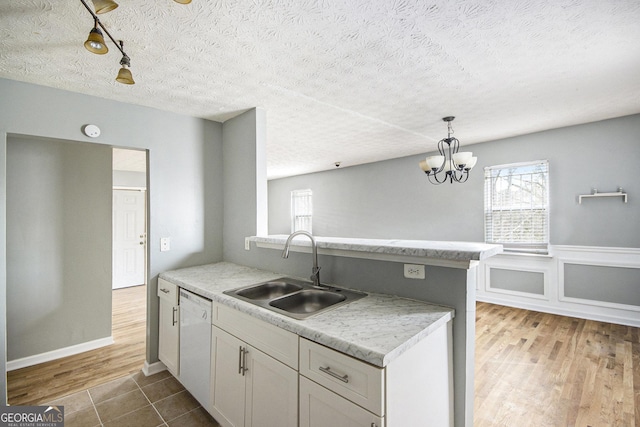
{"x": 95, "y": 42}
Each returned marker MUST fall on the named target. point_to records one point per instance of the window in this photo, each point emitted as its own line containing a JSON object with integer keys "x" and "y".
{"x": 516, "y": 206}
{"x": 301, "y": 210}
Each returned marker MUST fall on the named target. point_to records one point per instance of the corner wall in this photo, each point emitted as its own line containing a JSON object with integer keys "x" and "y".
{"x": 184, "y": 182}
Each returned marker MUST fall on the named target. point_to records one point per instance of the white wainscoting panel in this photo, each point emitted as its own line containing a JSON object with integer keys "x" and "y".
{"x": 552, "y": 267}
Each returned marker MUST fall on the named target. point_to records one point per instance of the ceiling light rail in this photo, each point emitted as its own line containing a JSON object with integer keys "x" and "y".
{"x": 455, "y": 164}
{"x": 95, "y": 42}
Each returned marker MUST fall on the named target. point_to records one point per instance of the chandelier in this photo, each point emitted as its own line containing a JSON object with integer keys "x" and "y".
{"x": 455, "y": 165}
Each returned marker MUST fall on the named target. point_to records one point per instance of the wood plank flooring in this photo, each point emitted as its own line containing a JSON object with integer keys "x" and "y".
{"x": 535, "y": 369}
{"x": 51, "y": 380}
{"x": 532, "y": 369}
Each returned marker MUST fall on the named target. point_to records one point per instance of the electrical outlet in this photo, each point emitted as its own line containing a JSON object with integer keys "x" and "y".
{"x": 247, "y": 244}
{"x": 414, "y": 271}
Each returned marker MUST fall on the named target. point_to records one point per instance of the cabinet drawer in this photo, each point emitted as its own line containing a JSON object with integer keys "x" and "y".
{"x": 351, "y": 378}
{"x": 168, "y": 291}
{"x": 278, "y": 343}
{"x": 320, "y": 407}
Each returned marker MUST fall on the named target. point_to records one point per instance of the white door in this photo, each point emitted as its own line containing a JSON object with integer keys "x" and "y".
{"x": 129, "y": 238}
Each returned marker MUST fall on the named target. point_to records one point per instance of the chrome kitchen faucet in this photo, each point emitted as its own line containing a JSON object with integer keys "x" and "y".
{"x": 315, "y": 272}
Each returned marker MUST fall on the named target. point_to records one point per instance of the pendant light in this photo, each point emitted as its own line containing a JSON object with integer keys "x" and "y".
{"x": 183, "y": 1}
{"x": 455, "y": 165}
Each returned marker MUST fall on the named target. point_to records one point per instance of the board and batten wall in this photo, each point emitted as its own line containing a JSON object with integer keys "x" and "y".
{"x": 593, "y": 269}
{"x": 185, "y": 181}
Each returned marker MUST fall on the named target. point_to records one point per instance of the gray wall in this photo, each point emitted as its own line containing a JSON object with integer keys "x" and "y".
{"x": 245, "y": 181}
{"x": 55, "y": 249}
{"x": 392, "y": 199}
{"x": 185, "y": 187}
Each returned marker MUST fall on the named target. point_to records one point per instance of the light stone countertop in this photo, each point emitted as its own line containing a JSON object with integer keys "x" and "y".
{"x": 434, "y": 252}
{"x": 375, "y": 329}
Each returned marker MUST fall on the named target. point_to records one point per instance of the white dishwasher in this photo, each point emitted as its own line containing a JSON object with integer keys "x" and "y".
{"x": 195, "y": 345}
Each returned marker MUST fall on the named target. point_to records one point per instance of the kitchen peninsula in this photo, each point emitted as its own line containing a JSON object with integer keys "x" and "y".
{"x": 405, "y": 344}
{"x": 376, "y": 265}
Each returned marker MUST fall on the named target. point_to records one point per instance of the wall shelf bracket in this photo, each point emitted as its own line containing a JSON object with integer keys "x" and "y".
{"x": 594, "y": 193}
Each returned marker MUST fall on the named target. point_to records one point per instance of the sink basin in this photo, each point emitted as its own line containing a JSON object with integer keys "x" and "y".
{"x": 308, "y": 301}
{"x": 295, "y": 298}
{"x": 269, "y": 290}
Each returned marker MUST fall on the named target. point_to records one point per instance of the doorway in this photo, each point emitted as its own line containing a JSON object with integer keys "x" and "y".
{"x": 129, "y": 218}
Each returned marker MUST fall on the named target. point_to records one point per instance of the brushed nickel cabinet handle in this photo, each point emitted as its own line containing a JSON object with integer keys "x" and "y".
{"x": 240, "y": 353}
{"x": 244, "y": 361}
{"x": 166, "y": 291}
{"x": 174, "y": 319}
{"x": 327, "y": 370}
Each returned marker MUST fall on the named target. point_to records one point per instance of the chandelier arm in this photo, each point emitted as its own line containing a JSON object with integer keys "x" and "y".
{"x": 435, "y": 179}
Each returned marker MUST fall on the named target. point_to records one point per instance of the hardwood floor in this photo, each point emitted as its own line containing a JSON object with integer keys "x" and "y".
{"x": 48, "y": 381}
{"x": 532, "y": 369}
{"x": 535, "y": 369}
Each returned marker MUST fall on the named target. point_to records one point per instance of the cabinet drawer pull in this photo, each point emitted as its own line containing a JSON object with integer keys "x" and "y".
{"x": 240, "y": 354}
{"x": 166, "y": 291}
{"x": 174, "y": 319}
{"x": 327, "y": 370}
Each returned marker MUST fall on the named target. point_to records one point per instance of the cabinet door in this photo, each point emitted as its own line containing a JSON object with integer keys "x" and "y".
{"x": 272, "y": 392}
{"x": 169, "y": 336}
{"x": 320, "y": 407}
{"x": 227, "y": 381}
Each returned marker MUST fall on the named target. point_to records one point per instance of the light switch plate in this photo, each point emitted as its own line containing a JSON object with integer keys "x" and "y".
{"x": 247, "y": 244}
{"x": 165, "y": 244}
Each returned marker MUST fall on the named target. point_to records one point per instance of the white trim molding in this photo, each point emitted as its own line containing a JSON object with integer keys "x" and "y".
{"x": 58, "y": 354}
{"x": 554, "y": 300}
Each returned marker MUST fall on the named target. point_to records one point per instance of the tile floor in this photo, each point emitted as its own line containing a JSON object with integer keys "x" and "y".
{"x": 135, "y": 401}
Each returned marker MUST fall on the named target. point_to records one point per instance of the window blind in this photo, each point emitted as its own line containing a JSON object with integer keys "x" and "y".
{"x": 301, "y": 210}
{"x": 517, "y": 206}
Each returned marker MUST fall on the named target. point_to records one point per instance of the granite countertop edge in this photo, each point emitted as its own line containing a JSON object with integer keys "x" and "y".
{"x": 346, "y": 329}
{"x": 445, "y": 250}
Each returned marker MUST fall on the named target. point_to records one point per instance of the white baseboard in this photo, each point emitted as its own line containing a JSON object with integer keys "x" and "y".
{"x": 58, "y": 354}
{"x": 154, "y": 368}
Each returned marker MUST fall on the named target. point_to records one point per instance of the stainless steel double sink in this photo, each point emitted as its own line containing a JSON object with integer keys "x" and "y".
{"x": 295, "y": 298}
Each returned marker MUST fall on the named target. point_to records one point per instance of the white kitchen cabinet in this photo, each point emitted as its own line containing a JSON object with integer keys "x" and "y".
{"x": 320, "y": 407}
{"x": 249, "y": 387}
{"x": 169, "y": 326}
{"x": 415, "y": 389}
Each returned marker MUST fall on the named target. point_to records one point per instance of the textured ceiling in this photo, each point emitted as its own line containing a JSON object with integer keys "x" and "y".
{"x": 353, "y": 81}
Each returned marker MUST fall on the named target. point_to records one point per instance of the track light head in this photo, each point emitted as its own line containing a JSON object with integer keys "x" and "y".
{"x": 95, "y": 42}
{"x": 104, "y": 6}
{"x": 183, "y": 1}
{"x": 124, "y": 75}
